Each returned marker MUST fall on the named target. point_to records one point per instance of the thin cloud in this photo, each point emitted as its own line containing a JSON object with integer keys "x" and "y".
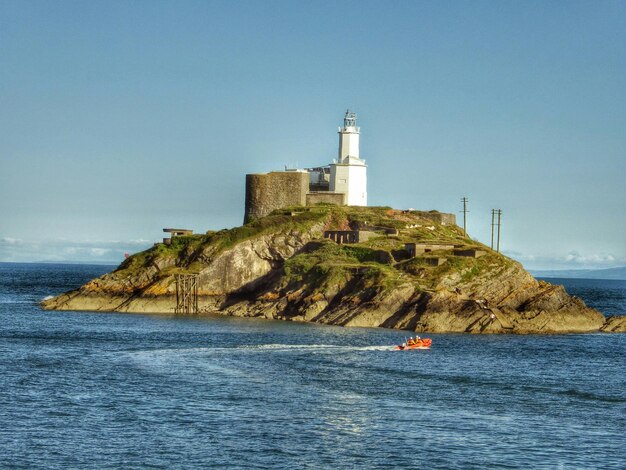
{"x": 576, "y": 257}
{"x": 62, "y": 250}
{"x": 10, "y": 241}
{"x": 571, "y": 260}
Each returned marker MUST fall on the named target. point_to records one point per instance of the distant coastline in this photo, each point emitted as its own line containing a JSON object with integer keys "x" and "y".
{"x": 618, "y": 273}
{"x": 112, "y": 264}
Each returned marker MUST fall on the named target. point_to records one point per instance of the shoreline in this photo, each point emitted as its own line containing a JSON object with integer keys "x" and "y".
{"x": 613, "y": 321}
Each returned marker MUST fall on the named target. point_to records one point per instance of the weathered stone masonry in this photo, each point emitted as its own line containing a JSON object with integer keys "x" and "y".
{"x": 268, "y": 192}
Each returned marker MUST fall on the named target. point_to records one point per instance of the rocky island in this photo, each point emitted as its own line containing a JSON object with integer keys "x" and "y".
{"x": 341, "y": 265}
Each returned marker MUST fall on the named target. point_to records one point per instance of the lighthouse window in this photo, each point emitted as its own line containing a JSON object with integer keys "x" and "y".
{"x": 342, "y": 180}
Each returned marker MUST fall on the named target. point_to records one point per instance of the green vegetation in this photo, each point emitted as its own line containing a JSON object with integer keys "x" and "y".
{"x": 361, "y": 253}
{"x": 381, "y": 261}
{"x": 330, "y": 265}
{"x": 185, "y": 249}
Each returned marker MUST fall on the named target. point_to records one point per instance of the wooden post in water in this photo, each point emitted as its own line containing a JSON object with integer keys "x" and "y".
{"x": 186, "y": 293}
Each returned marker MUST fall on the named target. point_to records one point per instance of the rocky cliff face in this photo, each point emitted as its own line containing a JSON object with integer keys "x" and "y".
{"x": 280, "y": 267}
{"x": 616, "y": 324}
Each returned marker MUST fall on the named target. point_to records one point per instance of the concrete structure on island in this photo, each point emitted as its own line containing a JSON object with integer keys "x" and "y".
{"x": 176, "y": 232}
{"x": 349, "y": 236}
{"x": 415, "y": 249}
{"x": 343, "y": 182}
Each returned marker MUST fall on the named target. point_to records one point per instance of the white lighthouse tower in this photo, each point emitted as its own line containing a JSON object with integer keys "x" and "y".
{"x": 349, "y": 174}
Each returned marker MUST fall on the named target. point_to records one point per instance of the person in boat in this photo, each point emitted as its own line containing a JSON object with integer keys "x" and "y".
{"x": 410, "y": 342}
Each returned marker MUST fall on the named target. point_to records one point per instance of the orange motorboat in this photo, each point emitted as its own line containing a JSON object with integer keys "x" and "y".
{"x": 422, "y": 343}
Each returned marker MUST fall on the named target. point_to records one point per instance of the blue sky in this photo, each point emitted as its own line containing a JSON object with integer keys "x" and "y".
{"x": 120, "y": 118}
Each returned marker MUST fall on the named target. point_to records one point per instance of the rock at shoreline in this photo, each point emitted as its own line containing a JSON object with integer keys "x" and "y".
{"x": 616, "y": 324}
{"x": 281, "y": 267}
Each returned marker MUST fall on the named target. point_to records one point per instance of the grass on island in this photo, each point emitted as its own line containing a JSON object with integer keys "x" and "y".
{"x": 382, "y": 259}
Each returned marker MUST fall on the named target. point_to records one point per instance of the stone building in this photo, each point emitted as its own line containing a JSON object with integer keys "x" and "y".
{"x": 343, "y": 182}
{"x": 270, "y": 191}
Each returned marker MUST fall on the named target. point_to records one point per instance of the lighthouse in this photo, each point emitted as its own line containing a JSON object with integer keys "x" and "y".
{"x": 349, "y": 174}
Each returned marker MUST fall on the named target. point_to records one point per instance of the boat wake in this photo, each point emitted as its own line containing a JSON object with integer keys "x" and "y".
{"x": 261, "y": 348}
{"x": 313, "y": 347}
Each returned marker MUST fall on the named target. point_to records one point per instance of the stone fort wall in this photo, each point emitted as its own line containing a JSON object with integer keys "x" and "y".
{"x": 313, "y": 198}
{"x": 442, "y": 218}
{"x": 268, "y": 192}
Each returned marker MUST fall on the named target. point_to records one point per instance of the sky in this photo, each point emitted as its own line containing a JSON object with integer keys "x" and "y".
{"x": 119, "y": 118}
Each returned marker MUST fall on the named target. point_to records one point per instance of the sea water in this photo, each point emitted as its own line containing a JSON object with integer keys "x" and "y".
{"x": 101, "y": 390}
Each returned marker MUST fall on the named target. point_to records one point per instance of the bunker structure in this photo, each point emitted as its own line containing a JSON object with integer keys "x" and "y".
{"x": 416, "y": 249}
{"x": 349, "y": 236}
{"x": 175, "y": 232}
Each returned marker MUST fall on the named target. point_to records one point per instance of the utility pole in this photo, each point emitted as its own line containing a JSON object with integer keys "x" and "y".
{"x": 499, "y": 215}
{"x": 465, "y": 211}
{"x": 493, "y": 223}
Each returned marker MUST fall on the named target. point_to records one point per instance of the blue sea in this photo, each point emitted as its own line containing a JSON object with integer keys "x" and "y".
{"x": 100, "y": 390}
